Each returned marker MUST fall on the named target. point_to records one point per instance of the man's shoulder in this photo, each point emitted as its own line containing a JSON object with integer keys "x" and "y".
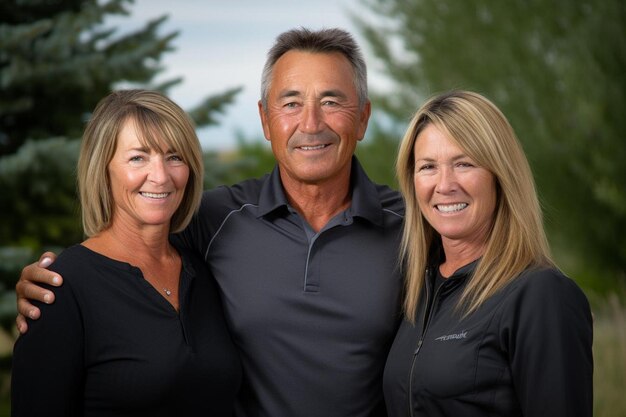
{"x": 232, "y": 196}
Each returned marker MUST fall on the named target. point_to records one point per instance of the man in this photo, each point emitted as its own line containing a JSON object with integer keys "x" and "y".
{"x": 305, "y": 257}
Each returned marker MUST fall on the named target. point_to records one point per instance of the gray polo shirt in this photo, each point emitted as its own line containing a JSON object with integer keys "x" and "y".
{"x": 313, "y": 314}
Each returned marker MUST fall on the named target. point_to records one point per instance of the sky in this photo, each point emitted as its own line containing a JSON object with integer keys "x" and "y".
{"x": 223, "y": 44}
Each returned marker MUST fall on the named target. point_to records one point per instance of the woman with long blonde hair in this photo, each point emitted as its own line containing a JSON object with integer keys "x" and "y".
{"x": 492, "y": 327}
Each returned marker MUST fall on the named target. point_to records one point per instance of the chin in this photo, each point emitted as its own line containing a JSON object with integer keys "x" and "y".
{"x": 452, "y": 234}
{"x": 311, "y": 176}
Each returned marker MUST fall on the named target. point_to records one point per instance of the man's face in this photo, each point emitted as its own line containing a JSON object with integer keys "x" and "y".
{"x": 313, "y": 119}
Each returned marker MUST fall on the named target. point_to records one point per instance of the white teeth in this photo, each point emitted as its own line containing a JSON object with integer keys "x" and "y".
{"x": 450, "y": 208}
{"x": 312, "y": 148}
{"x": 155, "y": 195}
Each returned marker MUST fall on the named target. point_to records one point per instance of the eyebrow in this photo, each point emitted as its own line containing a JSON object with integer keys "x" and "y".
{"x": 147, "y": 150}
{"x": 138, "y": 149}
{"x": 454, "y": 158}
{"x": 326, "y": 93}
{"x": 334, "y": 93}
{"x": 289, "y": 93}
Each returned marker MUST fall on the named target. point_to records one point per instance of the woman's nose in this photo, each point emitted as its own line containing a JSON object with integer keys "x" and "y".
{"x": 447, "y": 180}
{"x": 158, "y": 170}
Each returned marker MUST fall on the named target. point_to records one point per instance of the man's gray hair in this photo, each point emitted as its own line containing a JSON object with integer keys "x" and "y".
{"x": 321, "y": 41}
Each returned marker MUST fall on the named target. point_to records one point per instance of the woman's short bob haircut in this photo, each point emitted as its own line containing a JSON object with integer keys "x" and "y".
{"x": 160, "y": 123}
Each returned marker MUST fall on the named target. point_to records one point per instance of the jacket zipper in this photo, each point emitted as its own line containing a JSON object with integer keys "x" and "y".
{"x": 425, "y": 324}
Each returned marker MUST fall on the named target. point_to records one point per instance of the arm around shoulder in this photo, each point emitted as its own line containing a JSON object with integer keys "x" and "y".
{"x": 28, "y": 288}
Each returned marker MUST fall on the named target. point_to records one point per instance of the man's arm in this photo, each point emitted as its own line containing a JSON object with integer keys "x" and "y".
{"x": 27, "y": 288}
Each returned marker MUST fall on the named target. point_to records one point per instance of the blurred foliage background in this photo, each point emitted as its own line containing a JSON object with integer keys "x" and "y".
{"x": 556, "y": 68}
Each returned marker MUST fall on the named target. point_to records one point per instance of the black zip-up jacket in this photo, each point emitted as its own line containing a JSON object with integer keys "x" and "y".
{"x": 525, "y": 352}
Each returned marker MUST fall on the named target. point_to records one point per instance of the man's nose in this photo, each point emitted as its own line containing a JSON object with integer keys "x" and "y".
{"x": 312, "y": 118}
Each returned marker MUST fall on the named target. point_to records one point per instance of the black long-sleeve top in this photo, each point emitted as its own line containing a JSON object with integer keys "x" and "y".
{"x": 525, "y": 352}
{"x": 112, "y": 345}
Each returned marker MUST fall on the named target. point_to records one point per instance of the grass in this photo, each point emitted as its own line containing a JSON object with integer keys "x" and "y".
{"x": 609, "y": 355}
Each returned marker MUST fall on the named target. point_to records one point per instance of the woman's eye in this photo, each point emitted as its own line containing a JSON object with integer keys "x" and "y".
{"x": 136, "y": 158}
{"x": 175, "y": 158}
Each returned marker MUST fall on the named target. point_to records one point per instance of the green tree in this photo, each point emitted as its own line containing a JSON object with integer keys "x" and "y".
{"x": 57, "y": 60}
{"x": 556, "y": 69}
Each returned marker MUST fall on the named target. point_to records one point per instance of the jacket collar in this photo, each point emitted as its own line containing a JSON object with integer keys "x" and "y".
{"x": 437, "y": 257}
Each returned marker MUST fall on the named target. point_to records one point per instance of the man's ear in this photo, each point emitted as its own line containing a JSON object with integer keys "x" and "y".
{"x": 264, "y": 121}
{"x": 364, "y": 118}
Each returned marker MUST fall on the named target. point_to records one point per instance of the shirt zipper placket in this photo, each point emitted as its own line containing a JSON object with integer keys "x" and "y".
{"x": 426, "y": 322}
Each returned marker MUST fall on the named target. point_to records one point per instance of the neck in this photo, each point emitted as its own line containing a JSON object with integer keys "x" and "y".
{"x": 318, "y": 202}
{"x": 146, "y": 248}
{"x": 458, "y": 254}
{"x": 147, "y": 243}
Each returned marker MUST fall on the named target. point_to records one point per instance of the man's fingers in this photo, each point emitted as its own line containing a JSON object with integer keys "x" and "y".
{"x": 21, "y": 324}
{"x": 25, "y": 308}
{"x": 46, "y": 259}
{"x": 35, "y": 272}
{"x": 26, "y": 291}
{"x": 44, "y": 262}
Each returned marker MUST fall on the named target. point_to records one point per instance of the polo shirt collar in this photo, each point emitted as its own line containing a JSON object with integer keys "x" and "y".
{"x": 365, "y": 196}
{"x": 365, "y": 199}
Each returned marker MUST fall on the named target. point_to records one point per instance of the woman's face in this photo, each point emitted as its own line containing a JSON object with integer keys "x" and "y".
{"x": 456, "y": 196}
{"x": 147, "y": 184}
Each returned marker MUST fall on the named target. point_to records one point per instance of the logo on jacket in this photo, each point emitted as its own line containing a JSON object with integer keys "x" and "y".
{"x": 462, "y": 335}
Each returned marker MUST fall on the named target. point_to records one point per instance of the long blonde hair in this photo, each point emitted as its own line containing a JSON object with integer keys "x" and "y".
{"x": 517, "y": 238}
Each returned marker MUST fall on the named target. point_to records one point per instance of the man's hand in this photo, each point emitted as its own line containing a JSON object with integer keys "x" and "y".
{"x": 27, "y": 289}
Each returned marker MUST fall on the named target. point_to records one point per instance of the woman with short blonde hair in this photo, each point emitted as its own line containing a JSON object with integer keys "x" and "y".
{"x": 156, "y": 119}
{"x": 137, "y": 328}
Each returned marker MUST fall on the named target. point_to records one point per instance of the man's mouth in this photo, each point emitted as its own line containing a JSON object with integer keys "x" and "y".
{"x": 313, "y": 148}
